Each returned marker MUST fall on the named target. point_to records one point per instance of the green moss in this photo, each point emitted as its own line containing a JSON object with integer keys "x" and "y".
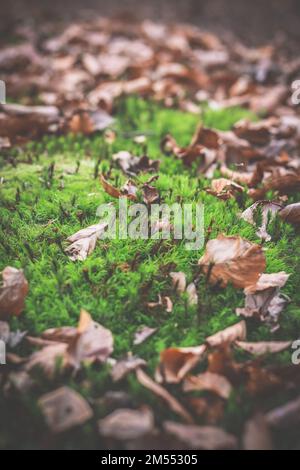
{"x": 42, "y": 204}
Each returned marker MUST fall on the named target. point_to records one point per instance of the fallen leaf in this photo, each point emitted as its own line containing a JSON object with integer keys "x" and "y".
{"x": 126, "y": 424}
{"x": 233, "y": 259}
{"x": 48, "y": 359}
{"x": 201, "y": 437}
{"x": 124, "y": 366}
{"x": 150, "y": 194}
{"x": 11, "y": 338}
{"x": 92, "y": 343}
{"x": 84, "y": 241}
{"x": 161, "y": 392}
{"x": 284, "y": 416}
{"x": 263, "y": 347}
{"x": 13, "y": 292}
{"x": 175, "y": 363}
{"x": 224, "y": 189}
{"x": 88, "y": 122}
{"x": 64, "y": 408}
{"x": 128, "y": 190}
{"x": 229, "y": 335}
{"x": 142, "y": 334}
{"x": 192, "y": 295}
{"x": 256, "y": 434}
{"x": 164, "y": 302}
{"x": 291, "y": 213}
{"x": 132, "y": 165}
{"x": 261, "y": 213}
{"x": 264, "y": 301}
{"x": 208, "y": 381}
{"x": 179, "y": 281}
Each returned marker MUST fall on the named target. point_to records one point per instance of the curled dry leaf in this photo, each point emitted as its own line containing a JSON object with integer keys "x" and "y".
{"x": 92, "y": 343}
{"x": 263, "y": 347}
{"x": 264, "y": 301}
{"x": 88, "y": 342}
{"x": 233, "y": 259}
{"x": 178, "y": 281}
{"x": 224, "y": 189}
{"x": 201, "y": 437}
{"x": 150, "y": 194}
{"x": 291, "y": 213}
{"x": 284, "y": 416}
{"x": 124, "y": 366}
{"x": 229, "y": 335}
{"x": 161, "y": 392}
{"x": 267, "y": 281}
{"x": 175, "y": 363}
{"x": 13, "y": 292}
{"x": 126, "y": 424}
{"x": 64, "y": 408}
{"x": 88, "y": 122}
{"x": 128, "y": 190}
{"x": 142, "y": 334}
{"x": 210, "y": 382}
{"x": 11, "y": 338}
{"x": 257, "y": 434}
{"x": 192, "y": 295}
{"x": 132, "y": 165}
{"x": 261, "y": 213}
{"x": 164, "y": 302}
{"x": 26, "y": 122}
{"x": 84, "y": 241}
{"x": 48, "y": 359}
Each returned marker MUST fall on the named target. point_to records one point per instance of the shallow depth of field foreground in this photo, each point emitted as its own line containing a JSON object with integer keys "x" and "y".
{"x": 140, "y": 343}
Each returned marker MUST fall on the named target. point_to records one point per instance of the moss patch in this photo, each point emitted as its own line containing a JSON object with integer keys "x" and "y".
{"x": 51, "y": 189}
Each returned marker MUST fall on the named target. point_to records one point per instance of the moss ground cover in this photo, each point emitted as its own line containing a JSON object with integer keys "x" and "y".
{"x": 51, "y": 189}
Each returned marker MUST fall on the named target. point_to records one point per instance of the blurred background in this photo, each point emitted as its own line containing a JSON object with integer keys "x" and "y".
{"x": 253, "y": 21}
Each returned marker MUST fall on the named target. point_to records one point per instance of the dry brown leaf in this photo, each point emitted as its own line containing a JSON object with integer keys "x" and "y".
{"x": 263, "y": 347}
{"x": 266, "y": 281}
{"x": 175, "y": 363}
{"x": 201, "y": 437}
{"x": 257, "y": 435}
{"x": 88, "y": 122}
{"x": 161, "y": 392}
{"x": 126, "y": 424}
{"x": 192, "y": 295}
{"x": 291, "y": 213}
{"x": 164, "y": 302}
{"x": 68, "y": 347}
{"x": 142, "y": 334}
{"x": 13, "y": 292}
{"x": 264, "y": 301}
{"x": 284, "y": 416}
{"x": 109, "y": 189}
{"x": 224, "y": 188}
{"x": 128, "y": 190}
{"x": 209, "y": 408}
{"x": 178, "y": 281}
{"x": 150, "y": 194}
{"x": 11, "y": 338}
{"x": 92, "y": 343}
{"x": 210, "y": 382}
{"x": 233, "y": 259}
{"x": 49, "y": 358}
{"x": 84, "y": 241}
{"x": 124, "y": 366}
{"x": 64, "y": 408}
{"x": 229, "y": 335}
{"x": 265, "y": 212}
{"x": 132, "y": 165}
